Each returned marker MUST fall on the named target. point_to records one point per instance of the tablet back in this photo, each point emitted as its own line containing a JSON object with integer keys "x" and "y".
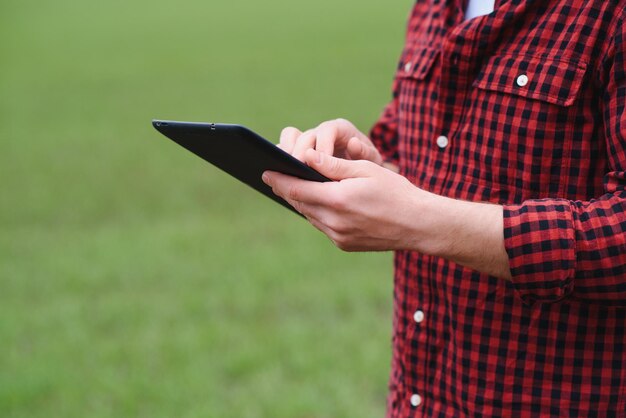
{"x": 238, "y": 151}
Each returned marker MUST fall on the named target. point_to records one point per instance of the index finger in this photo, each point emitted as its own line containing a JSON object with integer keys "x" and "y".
{"x": 327, "y": 137}
{"x": 304, "y": 142}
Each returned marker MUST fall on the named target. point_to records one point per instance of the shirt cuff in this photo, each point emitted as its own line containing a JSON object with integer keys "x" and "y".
{"x": 539, "y": 238}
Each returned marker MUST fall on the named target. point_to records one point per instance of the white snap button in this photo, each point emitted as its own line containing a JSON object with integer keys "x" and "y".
{"x": 442, "y": 141}
{"x": 407, "y": 67}
{"x": 418, "y": 316}
{"x": 416, "y": 400}
{"x": 522, "y": 80}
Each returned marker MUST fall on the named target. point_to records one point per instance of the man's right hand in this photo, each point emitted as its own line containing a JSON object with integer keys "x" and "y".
{"x": 339, "y": 138}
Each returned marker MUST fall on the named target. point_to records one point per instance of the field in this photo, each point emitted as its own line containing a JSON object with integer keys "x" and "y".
{"x": 135, "y": 279}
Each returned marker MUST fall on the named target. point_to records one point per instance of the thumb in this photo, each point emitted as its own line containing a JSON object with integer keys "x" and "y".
{"x": 335, "y": 168}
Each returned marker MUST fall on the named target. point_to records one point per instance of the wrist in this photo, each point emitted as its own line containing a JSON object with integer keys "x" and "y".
{"x": 467, "y": 233}
{"x": 425, "y": 223}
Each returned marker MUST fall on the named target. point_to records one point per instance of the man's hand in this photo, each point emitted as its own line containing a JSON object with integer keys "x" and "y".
{"x": 338, "y": 137}
{"x": 366, "y": 207}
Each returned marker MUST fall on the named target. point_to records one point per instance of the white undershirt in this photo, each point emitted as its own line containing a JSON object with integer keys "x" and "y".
{"x": 477, "y": 8}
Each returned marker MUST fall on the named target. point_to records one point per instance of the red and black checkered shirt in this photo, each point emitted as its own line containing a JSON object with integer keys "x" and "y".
{"x": 524, "y": 107}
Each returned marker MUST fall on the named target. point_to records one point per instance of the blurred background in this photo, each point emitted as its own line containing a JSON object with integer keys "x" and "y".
{"x": 136, "y": 279}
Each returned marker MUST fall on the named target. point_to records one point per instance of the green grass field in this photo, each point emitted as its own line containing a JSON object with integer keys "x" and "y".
{"x": 137, "y": 280}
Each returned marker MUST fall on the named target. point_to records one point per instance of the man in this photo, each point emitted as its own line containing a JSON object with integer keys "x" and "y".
{"x": 507, "y": 211}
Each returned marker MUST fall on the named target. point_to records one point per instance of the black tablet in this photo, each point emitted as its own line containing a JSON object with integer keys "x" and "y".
{"x": 238, "y": 151}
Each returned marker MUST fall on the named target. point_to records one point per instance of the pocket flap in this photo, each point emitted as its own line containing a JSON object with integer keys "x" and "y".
{"x": 416, "y": 62}
{"x": 554, "y": 81}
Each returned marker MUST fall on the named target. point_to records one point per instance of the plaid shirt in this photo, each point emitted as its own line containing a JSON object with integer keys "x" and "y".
{"x": 524, "y": 107}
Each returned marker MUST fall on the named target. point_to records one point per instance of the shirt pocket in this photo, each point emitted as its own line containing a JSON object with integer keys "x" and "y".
{"x": 416, "y": 62}
{"x": 553, "y": 81}
{"x": 526, "y": 112}
{"x": 414, "y": 88}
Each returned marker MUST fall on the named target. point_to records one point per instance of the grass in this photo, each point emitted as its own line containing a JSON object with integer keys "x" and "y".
{"x": 135, "y": 279}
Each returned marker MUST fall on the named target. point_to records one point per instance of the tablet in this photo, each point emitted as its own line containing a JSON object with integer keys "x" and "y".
{"x": 238, "y": 151}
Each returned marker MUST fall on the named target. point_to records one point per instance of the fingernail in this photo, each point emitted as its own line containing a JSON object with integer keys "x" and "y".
{"x": 265, "y": 178}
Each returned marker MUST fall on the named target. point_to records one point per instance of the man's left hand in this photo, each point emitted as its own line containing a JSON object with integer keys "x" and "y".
{"x": 365, "y": 208}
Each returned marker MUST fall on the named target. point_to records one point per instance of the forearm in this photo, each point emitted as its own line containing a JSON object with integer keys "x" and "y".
{"x": 468, "y": 233}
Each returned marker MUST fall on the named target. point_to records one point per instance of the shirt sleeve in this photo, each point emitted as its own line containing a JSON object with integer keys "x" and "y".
{"x": 560, "y": 248}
